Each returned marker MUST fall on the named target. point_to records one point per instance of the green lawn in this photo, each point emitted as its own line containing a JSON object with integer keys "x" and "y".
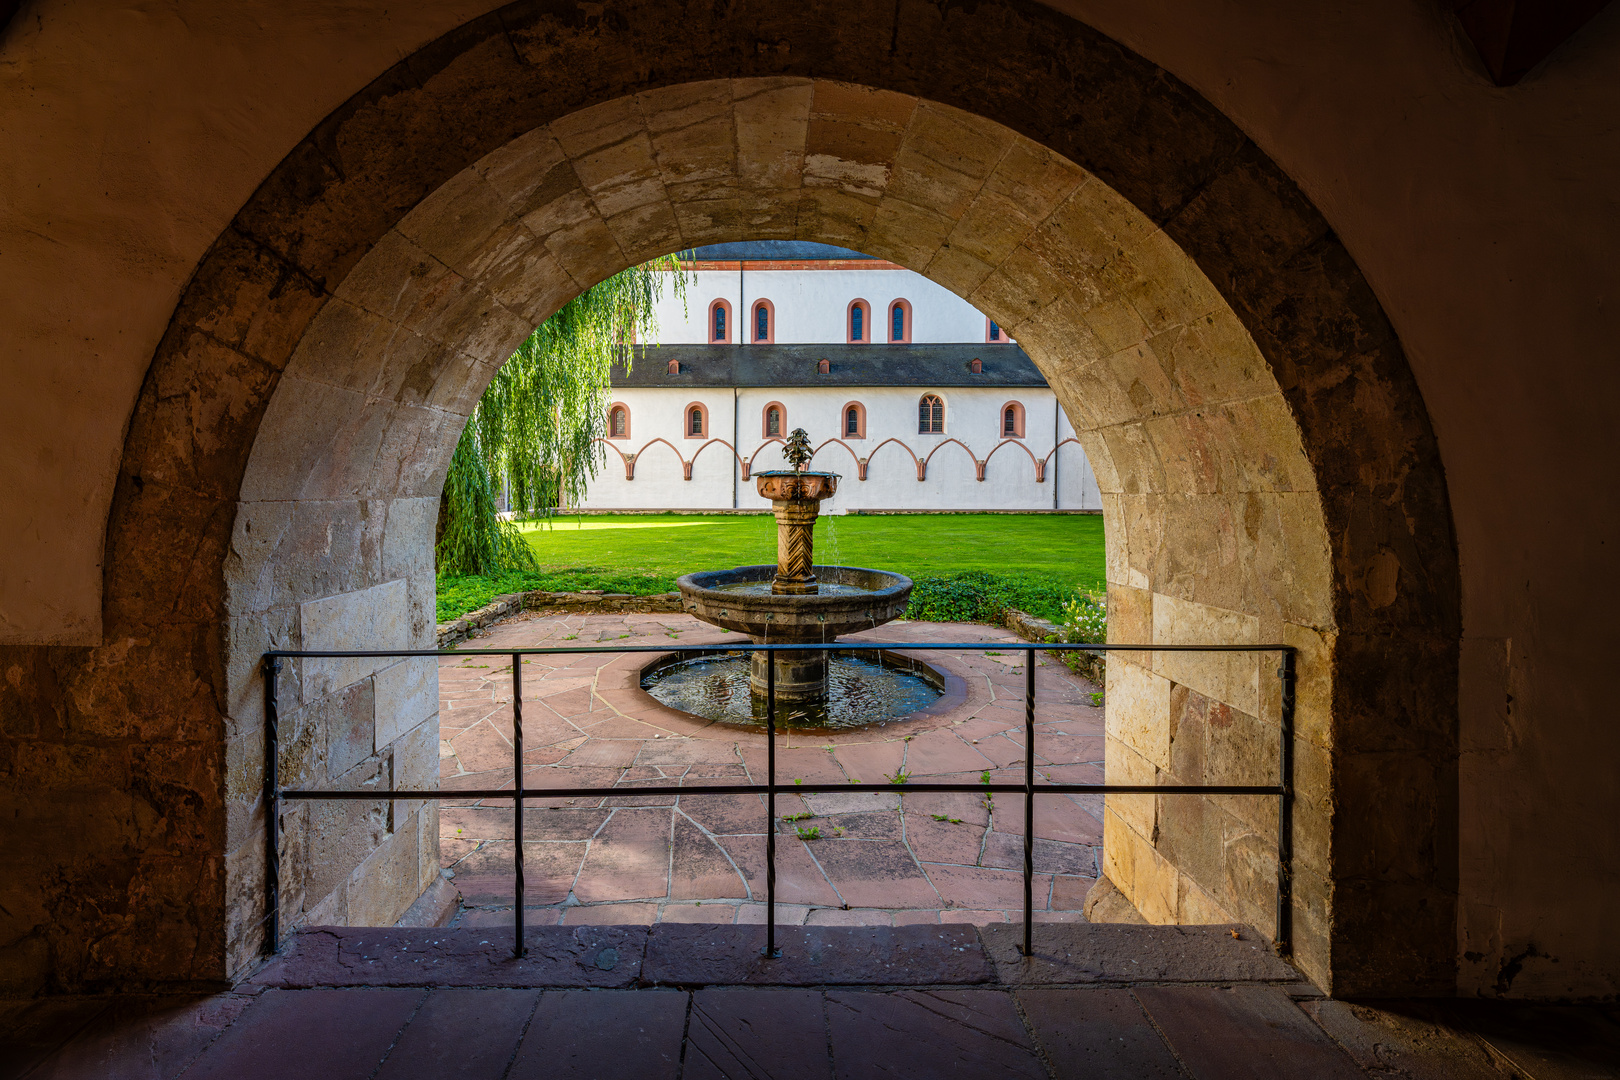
{"x": 1034, "y": 561}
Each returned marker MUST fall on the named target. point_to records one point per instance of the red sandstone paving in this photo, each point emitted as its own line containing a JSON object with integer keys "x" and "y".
{"x": 586, "y": 725}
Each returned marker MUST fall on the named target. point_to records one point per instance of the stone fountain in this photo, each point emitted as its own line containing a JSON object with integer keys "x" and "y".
{"x": 795, "y": 601}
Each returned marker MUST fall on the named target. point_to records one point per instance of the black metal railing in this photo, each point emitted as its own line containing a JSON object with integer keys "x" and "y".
{"x": 1283, "y": 790}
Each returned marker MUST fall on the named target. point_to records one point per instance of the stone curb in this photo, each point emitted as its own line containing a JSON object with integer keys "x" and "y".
{"x": 508, "y": 604}
{"x": 1092, "y": 666}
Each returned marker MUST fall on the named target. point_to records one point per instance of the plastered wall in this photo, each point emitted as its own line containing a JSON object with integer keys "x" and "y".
{"x": 1481, "y": 216}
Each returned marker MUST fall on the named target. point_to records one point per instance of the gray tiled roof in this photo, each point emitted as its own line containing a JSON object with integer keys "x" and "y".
{"x": 773, "y": 249}
{"x": 851, "y": 365}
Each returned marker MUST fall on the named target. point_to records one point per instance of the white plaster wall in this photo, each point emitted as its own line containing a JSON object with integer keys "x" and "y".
{"x": 972, "y": 417}
{"x": 811, "y": 305}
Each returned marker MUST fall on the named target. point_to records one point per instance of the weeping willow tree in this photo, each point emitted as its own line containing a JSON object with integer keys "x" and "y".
{"x": 535, "y": 431}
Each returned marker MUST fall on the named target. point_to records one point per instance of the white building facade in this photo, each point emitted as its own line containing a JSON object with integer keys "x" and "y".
{"x": 909, "y": 392}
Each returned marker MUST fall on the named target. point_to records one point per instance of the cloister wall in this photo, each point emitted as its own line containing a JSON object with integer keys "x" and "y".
{"x": 890, "y": 449}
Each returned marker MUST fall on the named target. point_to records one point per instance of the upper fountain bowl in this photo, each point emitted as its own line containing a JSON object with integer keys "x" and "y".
{"x": 849, "y": 599}
{"x": 783, "y": 485}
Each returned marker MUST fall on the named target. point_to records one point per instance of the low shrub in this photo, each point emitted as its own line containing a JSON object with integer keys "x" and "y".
{"x": 459, "y": 595}
{"x": 979, "y": 596}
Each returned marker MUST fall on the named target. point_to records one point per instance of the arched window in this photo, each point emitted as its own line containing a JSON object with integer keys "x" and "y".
{"x": 773, "y": 420}
{"x": 618, "y": 422}
{"x": 860, "y": 315}
{"x": 854, "y": 424}
{"x": 931, "y": 415}
{"x": 1012, "y": 420}
{"x": 900, "y": 322}
{"x": 719, "y": 322}
{"x": 764, "y": 322}
{"x": 697, "y": 421}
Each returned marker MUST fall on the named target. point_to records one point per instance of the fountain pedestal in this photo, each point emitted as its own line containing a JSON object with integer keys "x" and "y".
{"x": 789, "y": 606}
{"x": 796, "y": 499}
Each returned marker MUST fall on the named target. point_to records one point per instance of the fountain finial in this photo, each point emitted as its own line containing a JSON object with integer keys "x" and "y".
{"x": 797, "y": 451}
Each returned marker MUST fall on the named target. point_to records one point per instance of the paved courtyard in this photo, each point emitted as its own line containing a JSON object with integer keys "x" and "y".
{"x": 856, "y": 858}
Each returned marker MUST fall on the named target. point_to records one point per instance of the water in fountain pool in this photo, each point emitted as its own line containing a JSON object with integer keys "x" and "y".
{"x": 860, "y": 691}
{"x": 763, "y": 588}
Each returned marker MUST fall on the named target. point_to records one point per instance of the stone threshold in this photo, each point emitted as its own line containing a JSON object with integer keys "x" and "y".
{"x": 689, "y": 955}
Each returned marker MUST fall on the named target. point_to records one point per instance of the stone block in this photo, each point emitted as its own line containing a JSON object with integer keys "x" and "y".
{"x": 772, "y": 122}
{"x": 1146, "y": 879}
{"x": 1195, "y": 907}
{"x": 1233, "y": 678}
{"x": 341, "y": 835}
{"x": 1159, "y": 280}
{"x": 1137, "y": 472}
{"x": 1138, "y": 712}
{"x": 457, "y": 218}
{"x": 961, "y": 273}
{"x": 1293, "y": 559}
{"x": 388, "y": 881}
{"x": 365, "y": 619}
{"x": 1122, "y": 765}
{"x": 407, "y": 693}
{"x": 416, "y": 763}
{"x": 1192, "y": 831}
{"x": 518, "y": 167}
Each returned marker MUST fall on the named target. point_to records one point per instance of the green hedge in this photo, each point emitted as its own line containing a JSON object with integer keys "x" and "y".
{"x": 459, "y": 595}
{"x": 978, "y": 596}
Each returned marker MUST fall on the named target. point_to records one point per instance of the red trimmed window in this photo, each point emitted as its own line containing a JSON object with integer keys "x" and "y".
{"x": 720, "y": 323}
{"x": 994, "y": 334}
{"x": 697, "y": 421}
{"x": 854, "y": 424}
{"x": 1012, "y": 420}
{"x": 900, "y": 322}
{"x": 931, "y": 415}
{"x": 773, "y": 421}
{"x": 763, "y": 329}
{"x": 619, "y": 422}
{"x": 858, "y": 322}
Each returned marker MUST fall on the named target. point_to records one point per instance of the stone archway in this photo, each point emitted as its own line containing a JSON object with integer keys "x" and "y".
{"x": 1268, "y": 466}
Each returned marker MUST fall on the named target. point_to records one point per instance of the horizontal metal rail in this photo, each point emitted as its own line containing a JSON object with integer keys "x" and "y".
{"x": 519, "y": 793}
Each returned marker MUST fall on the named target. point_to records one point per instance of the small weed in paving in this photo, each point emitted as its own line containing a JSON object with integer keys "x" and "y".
{"x": 802, "y": 816}
{"x": 1096, "y": 699}
{"x": 898, "y": 777}
{"x": 812, "y": 833}
{"x": 947, "y": 817}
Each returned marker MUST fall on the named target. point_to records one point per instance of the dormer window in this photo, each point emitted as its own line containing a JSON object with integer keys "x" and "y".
{"x": 976, "y": 366}
{"x": 674, "y": 367}
{"x": 824, "y": 366}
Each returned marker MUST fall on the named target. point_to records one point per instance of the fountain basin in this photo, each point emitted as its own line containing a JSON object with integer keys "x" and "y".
{"x": 751, "y": 600}
{"x": 784, "y": 485}
{"x": 856, "y": 599}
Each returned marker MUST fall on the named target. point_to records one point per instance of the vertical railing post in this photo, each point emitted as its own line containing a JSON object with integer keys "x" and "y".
{"x": 1284, "y": 940}
{"x": 272, "y": 808}
{"x": 1029, "y": 801}
{"x": 770, "y": 807}
{"x": 517, "y": 798}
